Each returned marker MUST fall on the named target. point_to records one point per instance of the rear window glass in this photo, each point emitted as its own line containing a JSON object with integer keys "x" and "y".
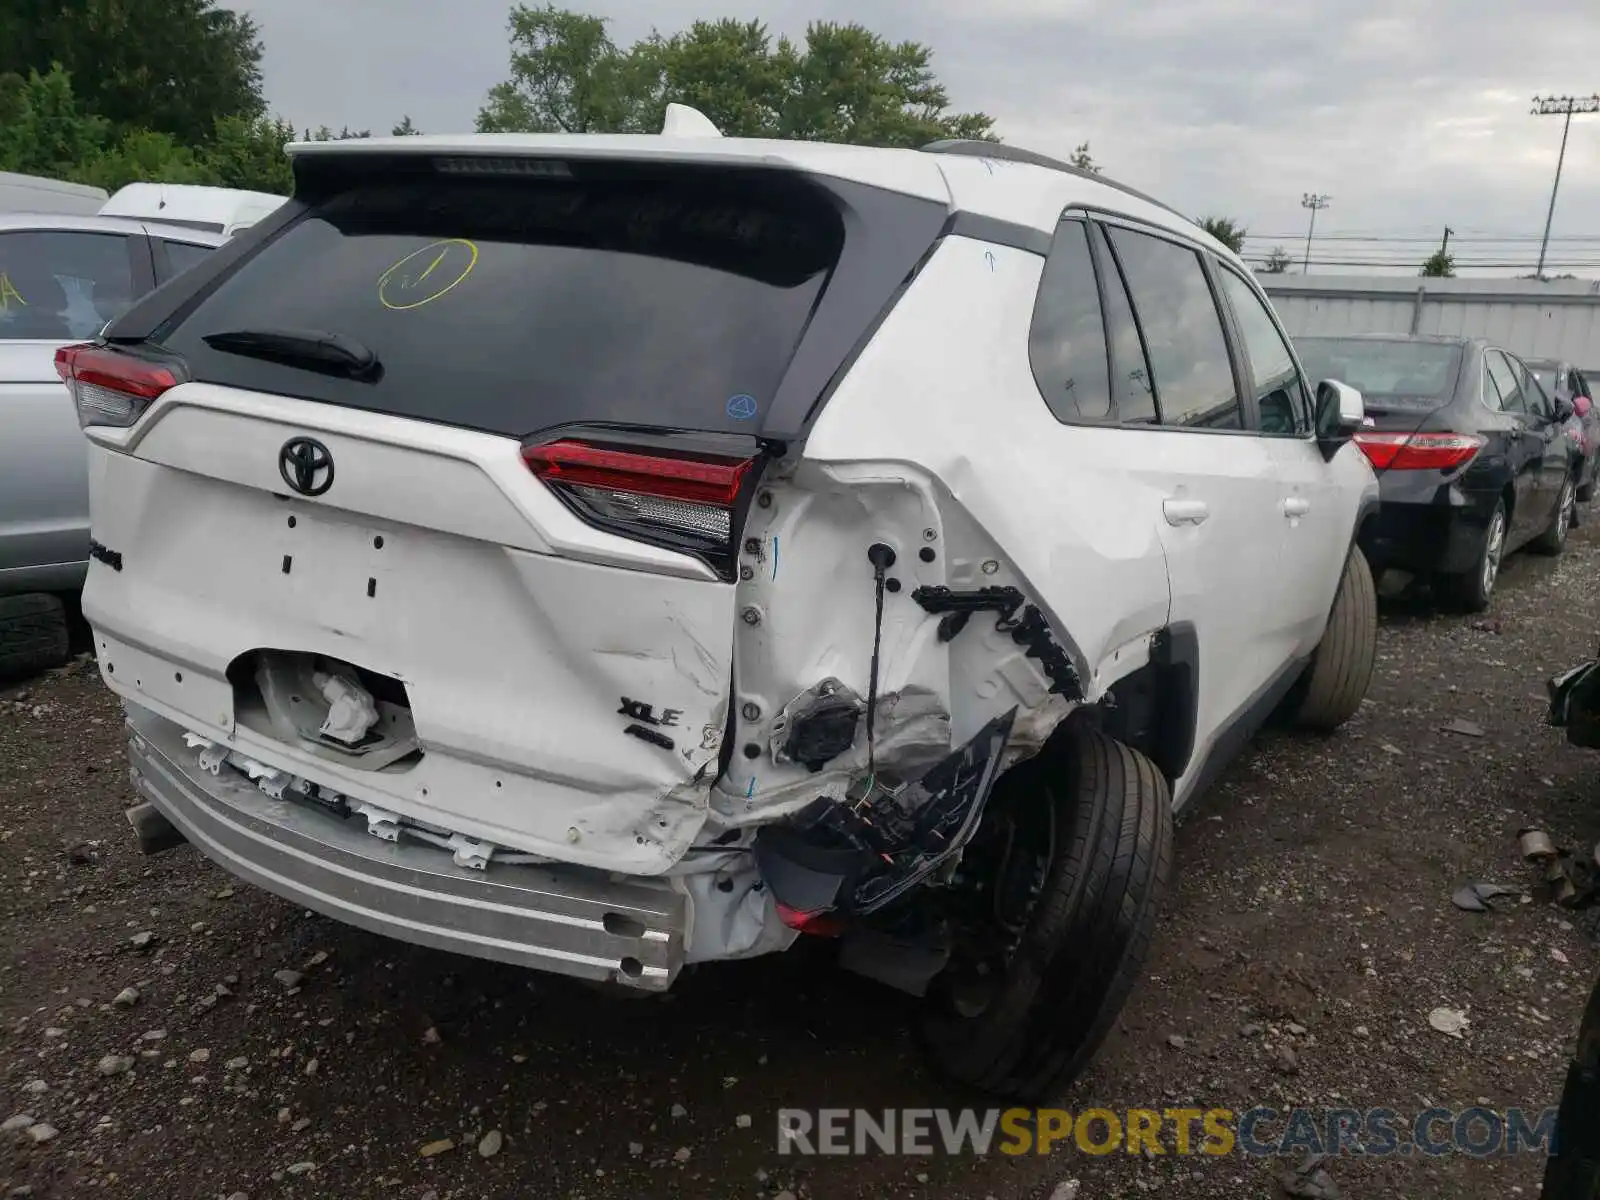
{"x": 1388, "y": 374}
{"x": 514, "y": 305}
{"x": 1546, "y": 377}
{"x": 62, "y": 286}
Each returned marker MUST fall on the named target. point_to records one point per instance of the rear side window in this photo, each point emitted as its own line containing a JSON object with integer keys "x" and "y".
{"x": 183, "y": 255}
{"x": 62, "y": 286}
{"x": 513, "y": 305}
{"x": 1505, "y": 381}
{"x": 1135, "y": 396}
{"x": 1067, "y": 342}
{"x": 1182, "y": 328}
{"x": 1281, "y": 399}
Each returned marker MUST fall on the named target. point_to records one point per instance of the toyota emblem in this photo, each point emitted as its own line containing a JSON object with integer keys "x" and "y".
{"x": 306, "y": 466}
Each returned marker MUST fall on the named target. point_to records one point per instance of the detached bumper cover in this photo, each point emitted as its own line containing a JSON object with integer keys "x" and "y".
{"x": 569, "y": 921}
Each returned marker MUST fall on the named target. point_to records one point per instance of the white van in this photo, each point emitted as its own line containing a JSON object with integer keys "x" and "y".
{"x": 38, "y": 194}
{"x": 214, "y": 209}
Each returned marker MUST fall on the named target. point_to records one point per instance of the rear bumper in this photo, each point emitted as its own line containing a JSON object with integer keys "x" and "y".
{"x": 1432, "y": 530}
{"x": 569, "y": 921}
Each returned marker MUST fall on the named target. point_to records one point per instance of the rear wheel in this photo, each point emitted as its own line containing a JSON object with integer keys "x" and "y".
{"x": 1554, "y": 539}
{"x": 33, "y": 635}
{"x": 1473, "y": 590}
{"x": 1073, "y": 856}
{"x": 1336, "y": 681}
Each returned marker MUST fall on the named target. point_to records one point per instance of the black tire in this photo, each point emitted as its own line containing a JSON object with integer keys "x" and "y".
{"x": 1471, "y": 591}
{"x": 33, "y": 635}
{"x": 1110, "y": 816}
{"x": 1554, "y": 538}
{"x": 1336, "y": 681}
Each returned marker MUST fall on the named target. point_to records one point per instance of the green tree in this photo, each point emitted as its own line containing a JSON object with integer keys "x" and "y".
{"x": 1083, "y": 160}
{"x": 1226, "y": 230}
{"x": 173, "y": 66}
{"x": 1441, "y": 264}
{"x": 845, "y": 83}
{"x": 248, "y": 153}
{"x": 45, "y": 129}
{"x": 405, "y": 128}
{"x": 1278, "y": 262}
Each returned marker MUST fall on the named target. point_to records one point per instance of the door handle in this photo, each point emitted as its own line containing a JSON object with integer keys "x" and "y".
{"x": 1184, "y": 512}
{"x": 1296, "y": 506}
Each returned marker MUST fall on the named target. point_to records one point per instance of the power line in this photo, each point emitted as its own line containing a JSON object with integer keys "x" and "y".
{"x": 1559, "y": 106}
{"x": 1424, "y": 240}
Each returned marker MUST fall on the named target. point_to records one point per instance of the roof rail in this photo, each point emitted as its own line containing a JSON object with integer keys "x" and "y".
{"x": 976, "y": 148}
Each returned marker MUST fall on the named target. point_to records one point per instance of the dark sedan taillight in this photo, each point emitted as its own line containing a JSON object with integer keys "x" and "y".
{"x": 1419, "y": 451}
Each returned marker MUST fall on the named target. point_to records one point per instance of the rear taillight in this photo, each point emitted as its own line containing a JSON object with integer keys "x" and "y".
{"x": 1418, "y": 451}
{"x": 817, "y": 924}
{"x": 111, "y": 387}
{"x": 681, "y": 500}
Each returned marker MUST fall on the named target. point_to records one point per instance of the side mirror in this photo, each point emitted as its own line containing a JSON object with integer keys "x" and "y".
{"x": 1340, "y": 413}
{"x": 1564, "y": 408}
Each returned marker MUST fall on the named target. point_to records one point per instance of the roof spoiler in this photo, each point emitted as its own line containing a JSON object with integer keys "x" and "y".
{"x": 683, "y": 121}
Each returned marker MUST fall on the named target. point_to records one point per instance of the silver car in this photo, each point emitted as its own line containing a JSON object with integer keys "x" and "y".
{"x": 61, "y": 279}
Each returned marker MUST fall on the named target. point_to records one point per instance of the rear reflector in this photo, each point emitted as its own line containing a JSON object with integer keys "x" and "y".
{"x": 108, "y": 386}
{"x": 1419, "y": 451}
{"x": 684, "y": 501}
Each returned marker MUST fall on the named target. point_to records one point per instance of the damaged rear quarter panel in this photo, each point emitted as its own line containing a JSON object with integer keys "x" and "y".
{"x": 938, "y": 444}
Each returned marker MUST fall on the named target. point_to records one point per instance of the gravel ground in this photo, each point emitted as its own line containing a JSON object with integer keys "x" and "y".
{"x": 1310, "y": 912}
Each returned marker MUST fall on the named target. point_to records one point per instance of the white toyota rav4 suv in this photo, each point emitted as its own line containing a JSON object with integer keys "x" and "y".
{"x": 612, "y": 553}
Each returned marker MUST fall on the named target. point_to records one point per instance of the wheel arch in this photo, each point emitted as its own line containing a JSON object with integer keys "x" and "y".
{"x": 1153, "y": 709}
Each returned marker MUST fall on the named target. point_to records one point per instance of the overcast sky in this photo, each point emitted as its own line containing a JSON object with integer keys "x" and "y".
{"x": 1411, "y": 114}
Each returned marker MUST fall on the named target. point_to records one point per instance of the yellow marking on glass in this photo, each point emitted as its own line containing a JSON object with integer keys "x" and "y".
{"x": 399, "y": 291}
{"x": 8, "y": 293}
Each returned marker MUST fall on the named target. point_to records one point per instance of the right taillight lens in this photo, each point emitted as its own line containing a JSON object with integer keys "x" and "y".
{"x": 111, "y": 387}
{"x": 685, "y": 501}
{"x": 1419, "y": 451}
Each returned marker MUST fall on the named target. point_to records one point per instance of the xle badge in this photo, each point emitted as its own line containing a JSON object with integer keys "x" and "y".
{"x": 635, "y": 710}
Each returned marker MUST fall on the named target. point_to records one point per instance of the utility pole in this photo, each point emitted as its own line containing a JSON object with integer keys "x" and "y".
{"x": 1559, "y": 106}
{"x": 1314, "y": 203}
{"x": 1444, "y": 246}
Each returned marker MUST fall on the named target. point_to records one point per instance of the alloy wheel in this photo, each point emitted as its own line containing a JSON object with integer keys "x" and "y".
{"x": 1493, "y": 549}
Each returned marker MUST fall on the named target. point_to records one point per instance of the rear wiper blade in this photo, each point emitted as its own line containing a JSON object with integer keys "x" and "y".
{"x": 313, "y": 349}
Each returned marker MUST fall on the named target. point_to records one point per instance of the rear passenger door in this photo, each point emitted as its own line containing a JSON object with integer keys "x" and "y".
{"x": 1317, "y": 511}
{"x": 1173, "y": 375}
{"x": 1531, "y": 510}
{"x": 1551, "y": 429}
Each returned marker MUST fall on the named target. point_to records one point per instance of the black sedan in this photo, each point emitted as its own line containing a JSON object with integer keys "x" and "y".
{"x": 1469, "y": 450}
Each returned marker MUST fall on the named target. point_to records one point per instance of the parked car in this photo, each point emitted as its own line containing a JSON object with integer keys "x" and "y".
{"x": 61, "y": 279}
{"x": 193, "y": 206}
{"x": 41, "y": 194}
{"x": 1564, "y": 381}
{"x": 608, "y": 554}
{"x": 1470, "y": 454}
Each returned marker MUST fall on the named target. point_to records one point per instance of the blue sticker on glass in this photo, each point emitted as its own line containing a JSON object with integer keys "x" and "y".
{"x": 742, "y": 408}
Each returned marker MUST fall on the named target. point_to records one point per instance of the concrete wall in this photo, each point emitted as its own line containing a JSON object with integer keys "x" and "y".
{"x": 1557, "y": 319}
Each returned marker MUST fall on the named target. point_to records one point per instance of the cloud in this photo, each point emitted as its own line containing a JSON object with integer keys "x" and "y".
{"x": 1412, "y": 114}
